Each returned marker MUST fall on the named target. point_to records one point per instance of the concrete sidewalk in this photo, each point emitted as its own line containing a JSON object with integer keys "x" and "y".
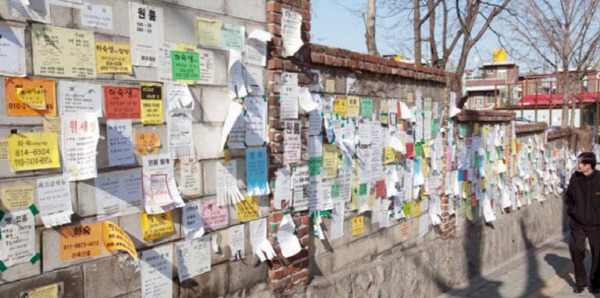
{"x": 543, "y": 272}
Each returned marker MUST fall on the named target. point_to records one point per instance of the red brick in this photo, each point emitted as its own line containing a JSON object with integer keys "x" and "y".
{"x": 289, "y": 66}
{"x": 280, "y": 285}
{"x": 273, "y": 6}
{"x": 273, "y": 100}
{"x": 306, "y": 26}
{"x": 274, "y": 18}
{"x": 301, "y": 276}
{"x": 274, "y": 64}
{"x": 275, "y": 217}
{"x": 274, "y": 29}
{"x": 302, "y": 230}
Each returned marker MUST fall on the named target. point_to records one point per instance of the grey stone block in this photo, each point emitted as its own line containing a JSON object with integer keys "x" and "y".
{"x": 111, "y": 277}
{"x": 210, "y": 284}
{"x": 244, "y": 276}
{"x": 70, "y": 282}
{"x": 255, "y": 10}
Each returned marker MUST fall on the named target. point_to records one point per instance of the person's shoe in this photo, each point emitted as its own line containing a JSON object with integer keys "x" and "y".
{"x": 578, "y": 290}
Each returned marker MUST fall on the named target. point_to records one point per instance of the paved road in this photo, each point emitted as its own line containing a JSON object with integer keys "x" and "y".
{"x": 545, "y": 272}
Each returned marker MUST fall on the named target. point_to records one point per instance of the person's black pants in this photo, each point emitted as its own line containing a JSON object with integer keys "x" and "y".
{"x": 577, "y": 249}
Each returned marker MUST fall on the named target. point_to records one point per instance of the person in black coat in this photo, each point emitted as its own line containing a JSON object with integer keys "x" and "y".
{"x": 583, "y": 208}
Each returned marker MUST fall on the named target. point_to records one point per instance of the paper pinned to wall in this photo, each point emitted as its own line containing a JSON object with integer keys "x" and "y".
{"x": 77, "y": 96}
{"x": 120, "y": 142}
{"x": 160, "y": 189}
{"x": 289, "y": 96}
{"x": 193, "y": 225}
{"x": 17, "y": 197}
{"x": 80, "y": 134}
{"x": 46, "y": 143}
{"x": 181, "y": 144}
{"x": 54, "y": 199}
{"x": 97, "y": 16}
{"x": 253, "y": 77}
{"x": 12, "y": 50}
{"x": 237, "y": 241}
{"x": 289, "y": 243}
{"x": 256, "y": 47}
{"x": 337, "y": 220}
{"x": 190, "y": 183}
{"x": 256, "y": 172}
{"x": 291, "y": 23}
{"x": 156, "y": 226}
{"x": 292, "y": 142}
{"x": 235, "y": 78}
{"x": 255, "y": 121}
{"x": 258, "y": 239}
{"x": 146, "y": 31}
{"x": 35, "y": 10}
{"x": 227, "y": 189}
{"x": 157, "y": 271}
{"x": 233, "y": 116}
{"x": 283, "y": 187}
{"x": 193, "y": 257}
{"x": 118, "y": 193}
{"x": 300, "y": 185}
{"x": 18, "y": 237}
{"x": 306, "y": 100}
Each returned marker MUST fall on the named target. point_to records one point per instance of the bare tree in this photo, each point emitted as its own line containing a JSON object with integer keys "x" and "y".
{"x": 564, "y": 34}
{"x": 370, "y": 34}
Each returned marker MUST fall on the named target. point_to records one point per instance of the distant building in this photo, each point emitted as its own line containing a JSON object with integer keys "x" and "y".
{"x": 482, "y": 89}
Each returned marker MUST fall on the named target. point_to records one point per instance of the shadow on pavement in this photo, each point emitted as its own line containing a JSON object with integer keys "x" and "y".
{"x": 562, "y": 266}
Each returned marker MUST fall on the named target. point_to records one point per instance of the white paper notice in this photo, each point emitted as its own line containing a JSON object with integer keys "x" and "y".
{"x": 306, "y": 100}
{"x": 207, "y": 67}
{"x": 80, "y": 133}
{"x": 235, "y": 79}
{"x": 193, "y": 225}
{"x": 291, "y": 22}
{"x": 253, "y": 77}
{"x": 315, "y": 123}
{"x": 301, "y": 180}
{"x": 292, "y": 142}
{"x": 181, "y": 144}
{"x": 12, "y": 51}
{"x": 258, "y": 239}
{"x": 35, "y": 10}
{"x": 75, "y": 96}
{"x": 189, "y": 177}
{"x": 337, "y": 220}
{"x": 193, "y": 257}
{"x": 146, "y": 31}
{"x": 233, "y": 115}
{"x": 18, "y": 237}
{"x": 160, "y": 189}
{"x": 178, "y": 97}
{"x": 488, "y": 212}
{"x": 289, "y": 243}
{"x": 157, "y": 272}
{"x": 423, "y": 225}
{"x": 237, "y": 242}
{"x": 118, "y": 193}
{"x": 119, "y": 142}
{"x": 256, "y": 50}
{"x": 289, "y": 96}
{"x": 164, "y": 72}
{"x": 227, "y": 190}
{"x": 283, "y": 187}
{"x": 255, "y": 120}
{"x": 97, "y": 16}
{"x": 54, "y": 199}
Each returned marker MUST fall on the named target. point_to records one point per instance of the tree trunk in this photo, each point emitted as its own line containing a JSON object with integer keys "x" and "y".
{"x": 417, "y": 31}
{"x": 370, "y": 35}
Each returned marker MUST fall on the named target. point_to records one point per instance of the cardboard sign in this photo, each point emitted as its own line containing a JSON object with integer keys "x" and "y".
{"x": 155, "y": 226}
{"x": 33, "y": 151}
{"x": 16, "y": 92}
{"x": 152, "y": 104}
{"x": 115, "y": 238}
{"x": 80, "y": 241}
{"x": 122, "y": 102}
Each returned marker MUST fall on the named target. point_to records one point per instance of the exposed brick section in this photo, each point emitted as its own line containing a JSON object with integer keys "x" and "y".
{"x": 556, "y": 134}
{"x": 538, "y": 127}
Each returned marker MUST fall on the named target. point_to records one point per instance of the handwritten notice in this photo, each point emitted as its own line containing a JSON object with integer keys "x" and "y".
{"x": 193, "y": 225}
{"x": 118, "y": 193}
{"x": 75, "y": 96}
{"x": 292, "y": 142}
{"x": 193, "y": 257}
{"x": 80, "y": 241}
{"x": 80, "y": 139}
{"x": 256, "y": 172}
{"x": 54, "y": 199}
{"x": 33, "y": 151}
{"x": 185, "y": 65}
{"x": 119, "y": 142}
{"x": 97, "y": 16}
{"x": 122, "y": 102}
{"x": 17, "y": 197}
{"x": 255, "y": 120}
{"x": 152, "y": 104}
{"x": 146, "y": 31}
{"x": 14, "y": 104}
{"x": 157, "y": 271}
{"x": 147, "y": 143}
{"x": 289, "y": 96}
{"x": 213, "y": 215}
{"x": 155, "y": 226}
{"x": 12, "y": 50}
{"x": 18, "y": 237}
{"x": 115, "y": 238}
{"x": 160, "y": 189}
{"x": 190, "y": 182}
{"x": 113, "y": 57}
{"x": 358, "y": 225}
{"x": 208, "y": 32}
{"x": 62, "y": 52}
{"x": 248, "y": 209}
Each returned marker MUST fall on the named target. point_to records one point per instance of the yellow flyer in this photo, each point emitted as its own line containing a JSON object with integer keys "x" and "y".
{"x": 358, "y": 226}
{"x": 17, "y": 197}
{"x": 415, "y": 209}
{"x": 115, "y": 238}
{"x": 152, "y": 104}
{"x": 113, "y": 57}
{"x": 33, "y": 151}
{"x": 208, "y": 32}
{"x": 80, "y": 241}
{"x": 330, "y": 160}
{"x": 49, "y": 291}
{"x": 330, "y": 86}
{"x": 340, "y": 107}
{"x": 248, "y": 209}
{"x": 389, "y": 155}
{"x": 353, "y": 106}
{"x": 3, "y": 149}
{"x": 34, "y": 98}
{"x": 156, "y": 226}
